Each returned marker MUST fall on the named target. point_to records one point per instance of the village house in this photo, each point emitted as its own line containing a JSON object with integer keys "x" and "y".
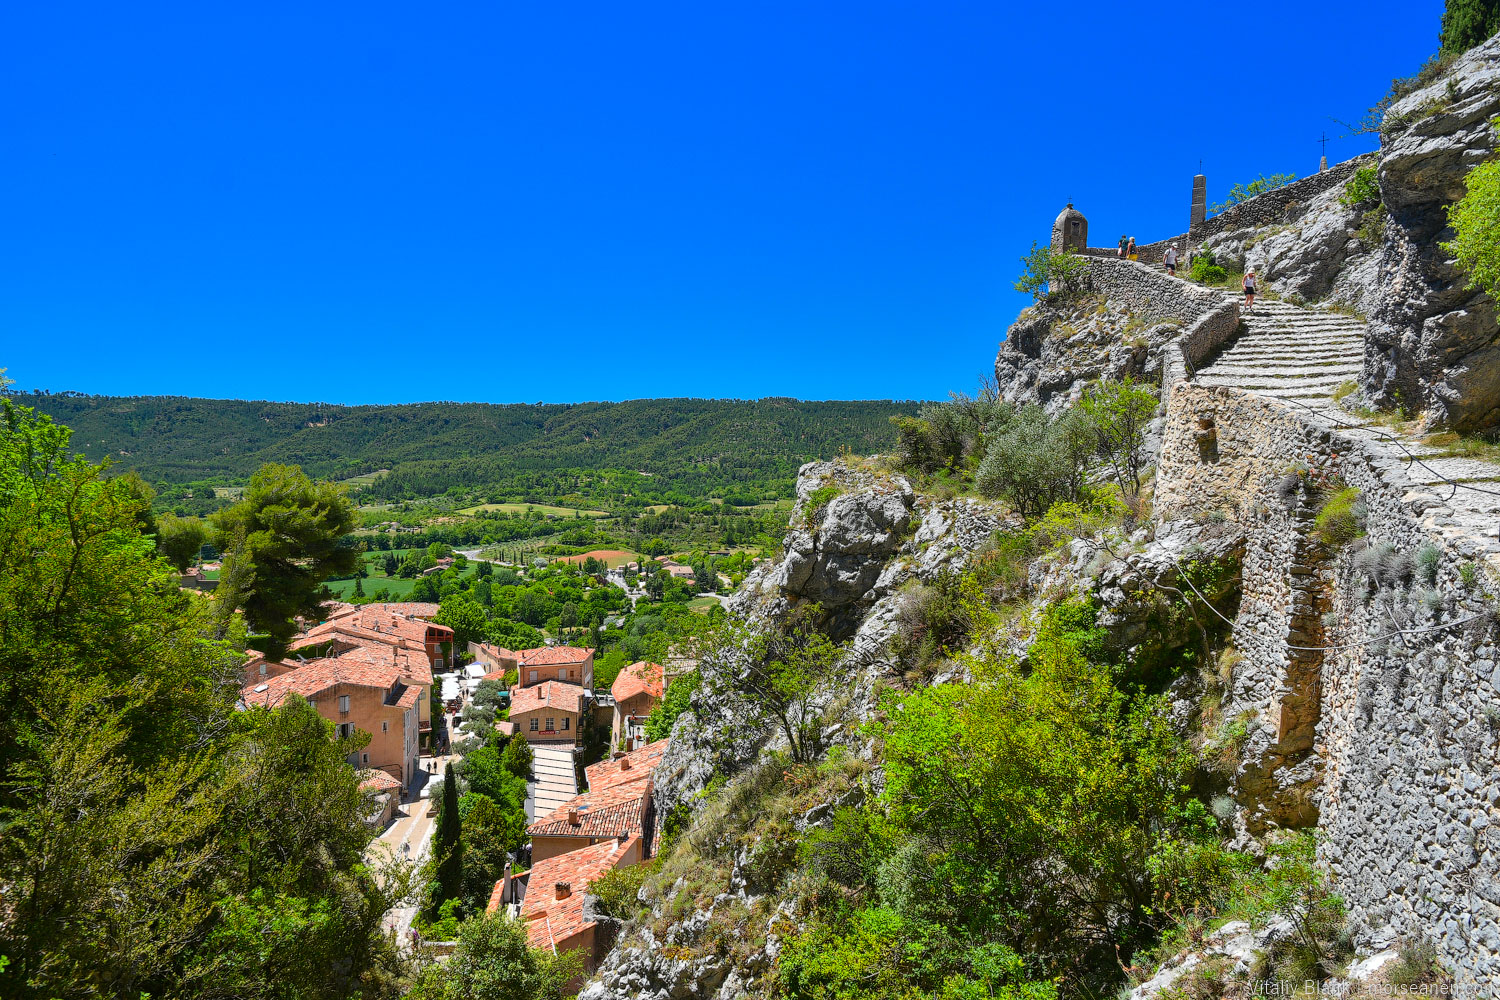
{"x": 552, "y": 904}
{"x": 411, "y": 644}
{"x": 550, "y": 712}
{"x": 615, "y": 810}
{"x": 636, "y": 690}
{"x": 358, "y": 692}
{"x": 569, "y": 664}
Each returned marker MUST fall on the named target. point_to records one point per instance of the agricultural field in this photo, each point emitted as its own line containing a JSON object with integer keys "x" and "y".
{"x": 613, "y": 558}
{"x": 520, "y": 508}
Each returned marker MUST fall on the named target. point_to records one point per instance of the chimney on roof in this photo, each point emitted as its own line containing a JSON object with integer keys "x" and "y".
{"x": 573, "y": 818}
{"x": 564, "y": 889}
{"x": 618, "y": 754}
{"x": 624, "y": 763}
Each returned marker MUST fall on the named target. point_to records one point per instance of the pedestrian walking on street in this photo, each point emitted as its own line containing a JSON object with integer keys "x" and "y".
{"x": 1123, "y": 240}
{"x": 1170, "y": 259}
{"x": 1248, "y": 284}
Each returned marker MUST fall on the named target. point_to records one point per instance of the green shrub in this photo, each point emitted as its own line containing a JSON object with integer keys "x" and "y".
{"x": 1360, "y": 188}
{"x": 817, "y": 500}
{"x": 1342, "y": 518}
{"x": 1429, "y": 559}
{"x": 1037, "y": 460}
{"x": 1475, "y": 219}
{"x": 1205, "y": 271}
{"x": 1293, "y": 886}
{"x": 617, "y": 889}
{"x": 932, "y": 620}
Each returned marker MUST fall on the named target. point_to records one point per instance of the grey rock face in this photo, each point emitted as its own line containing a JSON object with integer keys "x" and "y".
{"x": 1432, "y": 343}
{"x": 1052, "y": 351}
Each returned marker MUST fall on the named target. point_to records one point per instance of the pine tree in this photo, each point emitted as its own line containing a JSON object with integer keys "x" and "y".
{"x": 1466, "y": 23}
{"x": 359, "y": 588}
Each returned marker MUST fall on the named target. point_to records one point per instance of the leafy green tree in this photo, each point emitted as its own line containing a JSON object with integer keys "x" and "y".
{"x": 1475, "y": 219}
{"x": 465, "y": 616}
{"x": 1466, "y": 23}
{"x": 674, "y": 702}
{"x": 1118, "y": 412}
{"x": 282, "y": 540}
{"x": 493, "y": 960}
{"x": 1050, "y": 272}
{"x": 1244, "y": 192}
{"x": 776, "y": 670}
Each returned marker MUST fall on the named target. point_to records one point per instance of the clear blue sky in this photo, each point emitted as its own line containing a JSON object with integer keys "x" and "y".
{"x": 381, "y": 202}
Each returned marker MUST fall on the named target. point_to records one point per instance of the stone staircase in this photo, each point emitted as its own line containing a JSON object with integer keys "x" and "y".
{"x": 1296, "y": 355}
{"x": 1300, "y": 357}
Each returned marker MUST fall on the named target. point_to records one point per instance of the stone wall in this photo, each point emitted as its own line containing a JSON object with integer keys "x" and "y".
{"x": 1281, "y": 205}
{"x": 1209, "y": 318}
{"x": 1390, "y": 745}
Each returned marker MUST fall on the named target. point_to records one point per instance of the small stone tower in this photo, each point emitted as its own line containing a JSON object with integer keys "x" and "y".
{"x": 1071, "y": 230}
{"x": 1200, "y": 202}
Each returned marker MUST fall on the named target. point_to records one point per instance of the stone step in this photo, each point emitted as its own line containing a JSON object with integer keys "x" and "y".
{"x": 1226, "y": 367}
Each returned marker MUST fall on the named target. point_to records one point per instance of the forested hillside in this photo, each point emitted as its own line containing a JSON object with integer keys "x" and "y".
{"x": 691, "y": 444}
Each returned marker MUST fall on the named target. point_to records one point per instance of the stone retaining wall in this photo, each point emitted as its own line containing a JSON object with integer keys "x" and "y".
{"x": 1391, "y": 745}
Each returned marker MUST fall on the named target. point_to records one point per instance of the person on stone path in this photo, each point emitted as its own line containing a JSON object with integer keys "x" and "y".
{"x": 1130, "y": 248}
{"x": 1248, "y": 284}
{"x": 1123, "y": 241}
{"x": 1170, "y": 259}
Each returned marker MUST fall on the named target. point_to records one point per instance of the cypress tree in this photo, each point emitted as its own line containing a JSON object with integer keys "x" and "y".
{"x": 450, "y": 846}
{"x": 1466, "y": 23}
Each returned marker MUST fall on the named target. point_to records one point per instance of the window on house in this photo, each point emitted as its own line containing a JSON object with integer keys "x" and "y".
{"x": 551, "y": 724}
{"x": 534, "y": 723}
{"x": 343, "y": 703}
{"x": 385, "y": 727}
{"x": 533, "y": 675}
{"x": 344, "y": 730}
{"x": 562, "y": 673}
{"x": 263, "y": 670}
{"x": 566, "y": 720}
{"x": 366, "y": 758}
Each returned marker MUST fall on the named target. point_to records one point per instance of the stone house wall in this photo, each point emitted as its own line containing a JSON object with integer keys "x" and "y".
{"x": 1281, "y": 205}
{"x": 1390, "y": 745}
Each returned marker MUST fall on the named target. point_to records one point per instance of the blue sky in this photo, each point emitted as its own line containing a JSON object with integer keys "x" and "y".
{"x": 506, "y": 202}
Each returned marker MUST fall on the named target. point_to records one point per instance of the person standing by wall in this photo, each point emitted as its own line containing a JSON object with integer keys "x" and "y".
{"x": 1170, "y": 259}
{"x": 1123, "y": 241}
{"x": 1130, "y": 248}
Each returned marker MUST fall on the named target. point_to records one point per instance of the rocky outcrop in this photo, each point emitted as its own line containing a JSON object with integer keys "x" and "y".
{"x": 1054, "y": 350}
{"x": 1433, "y": 344}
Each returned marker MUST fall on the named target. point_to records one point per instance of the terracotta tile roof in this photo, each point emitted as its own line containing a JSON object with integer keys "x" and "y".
{"x": 551, "y": 922}
{"x": 639, "y": 677}
{"x": 553, "y": 655}
{"x": 618, "y": 810}
{"x": 417, "y": 609}
{"x": 410, "y": 664}
{"x": 316, "y": 676}
{"x": 378, "y": 780}
{"x": 377, "y": 623}
{"x": 557, "y": 695}
{"x": 633, "y": 766}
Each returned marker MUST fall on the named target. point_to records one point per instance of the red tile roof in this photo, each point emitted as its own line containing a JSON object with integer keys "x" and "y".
{"x": 557, "y": 695}
{"x": 633, "y": 766}
{"x": 618, "y": 810}
{"x": 637, "y": 678}
{"x": 552, "y": 922}
{"x": 378, "y": 780}
{"x": 553, "y": 655}
{"x": 316, "y": 676}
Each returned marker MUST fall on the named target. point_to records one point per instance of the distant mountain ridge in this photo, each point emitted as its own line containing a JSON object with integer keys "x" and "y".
{"x": 430, "y": 447}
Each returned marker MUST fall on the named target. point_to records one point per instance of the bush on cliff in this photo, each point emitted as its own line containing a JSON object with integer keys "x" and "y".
{"x": 1037, "y": 460}
{"x": 1342, "y": 518}
{"x": 1205, "y": 271}
{"x": 1050, "y": 272}
{"x": 1475, "y": 219}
